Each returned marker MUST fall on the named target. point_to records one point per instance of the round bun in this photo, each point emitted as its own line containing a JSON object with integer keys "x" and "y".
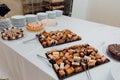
{"x": 34, "y": 26}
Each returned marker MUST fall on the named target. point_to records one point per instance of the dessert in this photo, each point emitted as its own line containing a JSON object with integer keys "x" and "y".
{"x": 12, "y": 33}
{"x": 57, "y": 37}
{"x": 49, "y": 22}
{"x": 61, "y": 73}
{"x": 114, "y": 50}
{"x": 91, "y": 63}
{"x": 34, "y": 26}
{"x": 75, "y": 59}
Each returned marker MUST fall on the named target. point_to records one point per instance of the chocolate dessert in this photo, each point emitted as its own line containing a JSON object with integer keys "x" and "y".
{"x": 12, "y": 33}
{"x": 114, "y": 50}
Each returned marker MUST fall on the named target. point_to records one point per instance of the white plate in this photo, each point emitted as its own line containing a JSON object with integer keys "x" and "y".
{"x": 115, "y": 72}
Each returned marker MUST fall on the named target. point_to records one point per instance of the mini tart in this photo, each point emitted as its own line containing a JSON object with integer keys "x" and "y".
{"x": 34, "y": 26}
{"x": 12, "y": 33}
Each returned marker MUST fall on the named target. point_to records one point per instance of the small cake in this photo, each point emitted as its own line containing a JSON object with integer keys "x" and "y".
{"x": 56, "y": 67}
{"x": 59, "y": 61}
{"x": 114, "y": 50}
{"x": 62, "y": 66}
{"x": 61, "y": 73}
{"x": 34, "y": 26}
{"x": 53, "y": 38}
{"x": 75, "y": 63}
{"x": 91, "y": 63}
{"x": 103, "y": 59}
{"x": 75, "y": 59}
{"x": 78, "y": 69}
{"x": 12, "y": 33}
{"x": 70, "y": 70}
{"x": 67, "y": 66}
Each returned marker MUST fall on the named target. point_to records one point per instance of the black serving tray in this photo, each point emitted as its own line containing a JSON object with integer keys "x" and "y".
{"x": 76, "y": 72}
{"x": 38, "y": 36}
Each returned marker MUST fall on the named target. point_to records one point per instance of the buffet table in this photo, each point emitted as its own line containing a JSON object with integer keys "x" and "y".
{"x": 19, "y": 60}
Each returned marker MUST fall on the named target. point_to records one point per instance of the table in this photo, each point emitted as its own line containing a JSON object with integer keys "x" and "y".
{"x": 19, "y": 60}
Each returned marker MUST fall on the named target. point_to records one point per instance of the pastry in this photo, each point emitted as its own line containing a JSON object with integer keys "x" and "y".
{"x": 61, "y": 73}
{"x": 67, "y": 66}
{"x": 75, "y": 59}
{"x": 56, "y": 67}
{"x": 75, "y": 63}
{"x": 61, "y": 65}
{"x": 78, "y": 69}
{"x": 114, "y": 50}
{"x": 34, "y": 26}
{"x": 69, "y": 70}
{"x": 59, "y": 61}
{"x": 12, "y": 33}
{"x": 57, "y": 37}
{"x": 91, "y": 63}
{"x": 103, "y": 59}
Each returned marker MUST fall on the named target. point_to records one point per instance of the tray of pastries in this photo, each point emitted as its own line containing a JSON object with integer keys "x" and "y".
{"x": 12, "y": 33}
{"x": 70, "y": 61}
{"x": 57, "y": 37}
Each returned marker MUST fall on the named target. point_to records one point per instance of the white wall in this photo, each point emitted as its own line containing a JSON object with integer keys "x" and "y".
{"x": 105, "y": 11}
{"x": 102, "y": 11}
{"x": 14, "y": 5}
{"x": 80, "y": 8}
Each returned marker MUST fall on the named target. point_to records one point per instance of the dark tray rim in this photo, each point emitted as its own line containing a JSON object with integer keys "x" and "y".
{"x": 76, "y": 72}
{"x": 59, "y": 44}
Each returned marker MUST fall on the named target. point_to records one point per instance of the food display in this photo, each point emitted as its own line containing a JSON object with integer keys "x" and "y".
{"x": 71, "y": 60}
{"x": 34, "y": 26}
{"x": 53, "y": 38}
{"x": 114, "y": 51}
{"x": 12, "y": 33}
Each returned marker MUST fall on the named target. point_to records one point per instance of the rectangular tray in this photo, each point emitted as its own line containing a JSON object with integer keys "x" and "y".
{"x": 38, "y": 36}
{"x": 76, "y": 72}
{"x": 107, "y": 60}
{"x": 58, "y": 44}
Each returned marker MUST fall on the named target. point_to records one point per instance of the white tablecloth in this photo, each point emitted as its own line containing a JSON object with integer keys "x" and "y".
{"x": 20, "y": 62}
